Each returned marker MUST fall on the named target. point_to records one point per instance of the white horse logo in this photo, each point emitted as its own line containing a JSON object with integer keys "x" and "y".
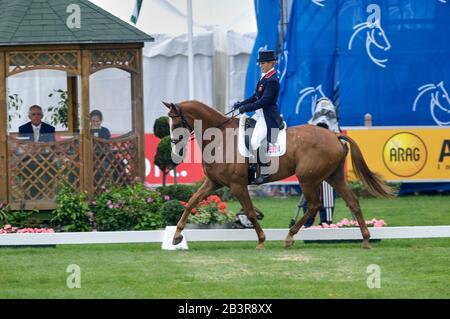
{"x": 375, "y": 34}
{"x": 437, "y": 110}
{"x": 316, "y": 94}
{"x": 319, "y": 2}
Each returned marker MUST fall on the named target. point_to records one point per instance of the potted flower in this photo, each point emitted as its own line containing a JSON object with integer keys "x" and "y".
{"x": 210, "y": 213}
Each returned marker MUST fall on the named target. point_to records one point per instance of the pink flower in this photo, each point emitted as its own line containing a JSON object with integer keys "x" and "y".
{"x": 149, "y": 200}
{"x": 166, "y": 198}
{"x": 7, "y": 227}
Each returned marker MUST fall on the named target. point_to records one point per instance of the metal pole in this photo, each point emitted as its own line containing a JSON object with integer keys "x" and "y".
{"x": 190, "y": 50}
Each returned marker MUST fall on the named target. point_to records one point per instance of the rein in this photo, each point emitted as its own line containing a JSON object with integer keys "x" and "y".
{"x": 185, "y": 123}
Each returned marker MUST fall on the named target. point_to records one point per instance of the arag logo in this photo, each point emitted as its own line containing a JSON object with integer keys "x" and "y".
{"x": 405, "y": 154}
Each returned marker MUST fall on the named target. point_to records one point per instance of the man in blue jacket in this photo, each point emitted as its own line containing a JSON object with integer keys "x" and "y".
{"x": 36, "y": 130}
{"x": 264, "y": 102}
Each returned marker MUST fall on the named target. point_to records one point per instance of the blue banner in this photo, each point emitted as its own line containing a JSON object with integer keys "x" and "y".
{"x": 268, "y": 18}
{"x": 307, "y": 70}
{"x": 394, "y": 62}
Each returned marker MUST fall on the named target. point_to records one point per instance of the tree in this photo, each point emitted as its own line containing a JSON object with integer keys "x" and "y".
{"x": 161, "y": 127}
{"x": 163, "y": 157}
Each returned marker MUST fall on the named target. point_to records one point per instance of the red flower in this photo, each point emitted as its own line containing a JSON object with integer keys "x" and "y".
{"x": 222, "y": 206}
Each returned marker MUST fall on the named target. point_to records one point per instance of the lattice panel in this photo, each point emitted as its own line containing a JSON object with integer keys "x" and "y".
{"x": 126, "y": 59}
{"x": 115, "y": 162}
{"x": 37, "y": 170}
{"x": 23, "y": 61}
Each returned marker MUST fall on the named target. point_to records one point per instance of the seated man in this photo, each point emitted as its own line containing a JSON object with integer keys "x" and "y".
{"x": 36, "y": 130}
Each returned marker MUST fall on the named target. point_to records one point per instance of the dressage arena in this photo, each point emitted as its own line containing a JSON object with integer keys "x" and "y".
{"x": 225, "y": 264}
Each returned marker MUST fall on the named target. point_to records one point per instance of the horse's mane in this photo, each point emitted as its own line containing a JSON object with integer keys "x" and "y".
{"x": 212, "y": 113}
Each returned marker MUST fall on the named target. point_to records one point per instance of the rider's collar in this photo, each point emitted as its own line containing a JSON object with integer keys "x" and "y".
{"x": 271, "y": 72}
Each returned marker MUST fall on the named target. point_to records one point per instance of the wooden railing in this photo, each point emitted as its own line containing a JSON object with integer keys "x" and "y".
{"x": 115, "y": 161}
{"x": 37, "y": 170}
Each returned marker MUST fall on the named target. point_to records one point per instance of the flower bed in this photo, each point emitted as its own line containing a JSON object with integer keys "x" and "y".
{"x": 8, "y": 229}
{"x": 345, "y": 223}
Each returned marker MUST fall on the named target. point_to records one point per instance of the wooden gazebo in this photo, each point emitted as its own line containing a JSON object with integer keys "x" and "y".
{"x": 79, "y": 38}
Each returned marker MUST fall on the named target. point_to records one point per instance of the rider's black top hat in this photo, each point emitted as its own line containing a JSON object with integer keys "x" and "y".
{"x": 266, "y": 56}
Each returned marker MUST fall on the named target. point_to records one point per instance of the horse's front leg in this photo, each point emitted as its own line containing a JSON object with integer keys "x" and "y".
{"x": 241, "y": 193}
{"x": 205, "y": 190}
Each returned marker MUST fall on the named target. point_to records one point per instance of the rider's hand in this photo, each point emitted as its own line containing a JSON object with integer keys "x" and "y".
{"x": 237, "y": 105}
{"x": 241, "y": 110}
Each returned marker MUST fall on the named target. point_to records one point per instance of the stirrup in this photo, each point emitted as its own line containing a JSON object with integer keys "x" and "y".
{"x": 261, "y": 179}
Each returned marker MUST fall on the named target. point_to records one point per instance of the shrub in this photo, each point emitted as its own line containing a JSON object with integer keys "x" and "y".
{"x": 24, "y": 219}
{"x": 163, "y": 157}
{"x": 181, "y": 192}
{"x": 72, "y": 211}
{"x": 127, "y": 208}
{"x": 171, "y": 212}
{"x": 161, "y": 127}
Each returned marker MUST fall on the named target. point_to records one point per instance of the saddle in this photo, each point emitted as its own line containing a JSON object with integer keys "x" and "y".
{"x": 246, "y": 127}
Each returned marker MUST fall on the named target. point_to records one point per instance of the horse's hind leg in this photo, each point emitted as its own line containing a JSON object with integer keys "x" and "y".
{"x": 241, "y": 193}
{"x": 312, "y": 196}
{"x": 337, "y": 181}
{"x": 206, "y": 189}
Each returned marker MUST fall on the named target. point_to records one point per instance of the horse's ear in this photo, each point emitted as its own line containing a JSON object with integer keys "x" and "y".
{"x": 168, "y": 105}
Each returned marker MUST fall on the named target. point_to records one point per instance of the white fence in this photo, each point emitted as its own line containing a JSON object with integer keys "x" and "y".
{"x": 192, "y": 235}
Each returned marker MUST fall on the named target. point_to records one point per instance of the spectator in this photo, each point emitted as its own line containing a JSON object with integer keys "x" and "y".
{"x": 36, "y": 130}
{"x": 97, "y": 129}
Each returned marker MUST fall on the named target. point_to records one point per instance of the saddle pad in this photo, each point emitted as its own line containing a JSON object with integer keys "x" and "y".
{"x": 241, "y": 140}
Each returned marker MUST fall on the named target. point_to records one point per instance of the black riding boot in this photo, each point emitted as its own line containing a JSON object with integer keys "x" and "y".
{"x": 262, "y": 178}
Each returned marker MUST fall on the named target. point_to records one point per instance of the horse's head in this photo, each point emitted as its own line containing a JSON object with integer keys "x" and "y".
{"x": 316, "y": 93}
{"x": 181, "y": 126}
{"x": 439, "y": 102}
{"x": 377, "y": 36}
{"x": 442, "y": 94}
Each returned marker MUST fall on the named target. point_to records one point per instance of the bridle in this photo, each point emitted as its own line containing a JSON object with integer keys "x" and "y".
{"x": 184, "y": 123}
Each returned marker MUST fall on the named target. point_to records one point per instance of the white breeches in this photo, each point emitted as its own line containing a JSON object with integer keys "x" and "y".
{"x": 259, "y": 133}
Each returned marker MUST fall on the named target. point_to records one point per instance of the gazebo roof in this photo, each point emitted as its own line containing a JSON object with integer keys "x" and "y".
{"x": 31, "y": 22}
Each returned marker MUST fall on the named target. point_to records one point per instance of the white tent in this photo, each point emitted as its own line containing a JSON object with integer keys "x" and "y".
{"x": 166, "y": 73}
{"x": 224, "y": 34}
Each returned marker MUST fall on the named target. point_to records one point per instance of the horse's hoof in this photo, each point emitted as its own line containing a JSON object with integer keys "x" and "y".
{"x": 365, "y": 245}
{"x": 288, "y": 243}
{"x": 260, "y": 246}
{"x": 177, "y": 239}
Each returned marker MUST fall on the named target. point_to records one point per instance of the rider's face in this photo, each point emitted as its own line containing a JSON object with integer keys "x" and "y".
{"x": 266, "y": 66}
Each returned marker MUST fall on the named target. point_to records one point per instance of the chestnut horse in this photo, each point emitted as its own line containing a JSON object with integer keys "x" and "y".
{"x": 313, "y": 154}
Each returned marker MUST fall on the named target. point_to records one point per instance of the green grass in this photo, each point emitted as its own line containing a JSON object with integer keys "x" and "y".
{"x": 413, "y": 268}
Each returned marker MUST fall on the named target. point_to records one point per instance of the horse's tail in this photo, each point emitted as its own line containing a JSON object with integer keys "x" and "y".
{"x": 374, "y": 183}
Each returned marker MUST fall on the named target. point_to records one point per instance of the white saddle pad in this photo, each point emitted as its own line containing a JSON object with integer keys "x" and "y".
{"x": 241, "y": 140}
